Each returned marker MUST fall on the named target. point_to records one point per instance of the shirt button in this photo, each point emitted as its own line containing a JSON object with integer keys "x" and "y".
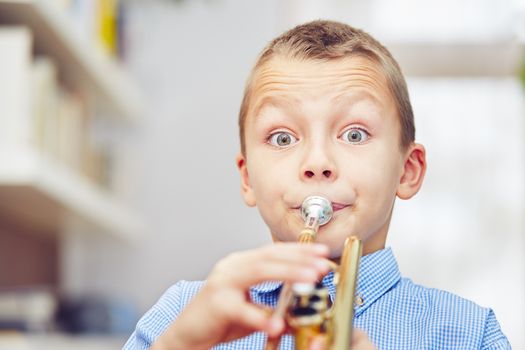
{"x": 359, "y": 301}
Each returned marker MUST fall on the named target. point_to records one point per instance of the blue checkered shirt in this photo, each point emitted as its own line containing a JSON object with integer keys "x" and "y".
{"x": 393, "y": 311}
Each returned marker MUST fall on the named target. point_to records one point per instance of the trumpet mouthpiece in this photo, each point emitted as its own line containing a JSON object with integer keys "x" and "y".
{"x": 316, "y": 207}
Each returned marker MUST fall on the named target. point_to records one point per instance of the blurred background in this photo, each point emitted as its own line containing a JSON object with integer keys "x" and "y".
{"x": 118, "y": 134}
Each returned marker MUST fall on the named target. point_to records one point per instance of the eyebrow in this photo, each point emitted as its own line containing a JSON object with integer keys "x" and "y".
{"x": 279, "y": 101}
{"x": 346, "y": 99}
{"x": 291, "y": 102}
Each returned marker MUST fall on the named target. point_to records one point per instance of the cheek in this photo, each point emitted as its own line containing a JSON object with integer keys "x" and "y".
{"x": 268, "y": 178}
{"x": 378, "y": 178}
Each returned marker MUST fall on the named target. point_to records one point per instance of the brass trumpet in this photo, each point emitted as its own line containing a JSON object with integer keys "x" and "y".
{"x": 306, "y": 308}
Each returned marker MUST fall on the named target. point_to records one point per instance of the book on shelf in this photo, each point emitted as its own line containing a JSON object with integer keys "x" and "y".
{"x": 15, "y": 62}
{"x": 27, "y": 309}
{"x": 39, "y": 113}
{"x": 99, "y": 22}
{"x": 107, "y": 25}
{"x": 44, "y": 103}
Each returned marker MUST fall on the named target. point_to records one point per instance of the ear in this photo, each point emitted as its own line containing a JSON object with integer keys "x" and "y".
{"x": 413, "y": 172}
{"x": 246, "y": 189}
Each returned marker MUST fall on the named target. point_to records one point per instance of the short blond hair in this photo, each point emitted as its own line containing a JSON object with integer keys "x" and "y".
{"x": 328, "y": 40}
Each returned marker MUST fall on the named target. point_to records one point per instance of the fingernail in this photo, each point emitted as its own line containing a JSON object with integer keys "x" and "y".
{"x": 318, "y": 343}
{"x": 322, "y": 265}
{"x": 321, "y": 248}
{"x": 276, "y": 325}
{"x": 310, "y": 275}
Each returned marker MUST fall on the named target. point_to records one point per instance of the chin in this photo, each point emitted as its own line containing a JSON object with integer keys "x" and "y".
{"x": 286, "y": 237}
{"x": 336, "y": 248}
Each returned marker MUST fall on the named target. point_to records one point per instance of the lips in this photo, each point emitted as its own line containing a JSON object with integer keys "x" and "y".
{"x": 338, "y": 206}
{"x": 335, "y": 206}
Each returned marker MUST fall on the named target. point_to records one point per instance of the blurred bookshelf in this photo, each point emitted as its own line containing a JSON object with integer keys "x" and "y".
{"x": 54, "y": 87}
{"x": 65, "y": 102}
{"x": 16, "y": 341}
{"x": 88, "y": 69}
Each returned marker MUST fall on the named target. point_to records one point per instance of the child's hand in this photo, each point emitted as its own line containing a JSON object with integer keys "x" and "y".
{"x": 359, "y": 342}
{"x": 223, "y": 311}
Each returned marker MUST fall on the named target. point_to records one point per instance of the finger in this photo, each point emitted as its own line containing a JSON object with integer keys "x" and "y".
{"x": 257, "y": 318}
{"x": 248, "y": 275}
{"x": 284, "y": 252}
{"x": 358, "y": 335}
{"x": 318, "y": 343}
{"x": 276, "y": 327}
{"x": 236, "y": 333}
{"x": 360, "y": 340}
{"x": 294, "y": 251}
{"x": 289, "y": 262}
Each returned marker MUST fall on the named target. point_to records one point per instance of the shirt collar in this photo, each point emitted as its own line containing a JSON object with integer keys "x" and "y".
{"x": 378, "y": 273}
{"x": 266, "y": 287}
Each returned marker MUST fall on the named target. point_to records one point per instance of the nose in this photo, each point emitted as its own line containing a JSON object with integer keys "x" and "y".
{"x": 326, "y": 173}
{"x": 318, "y": 164}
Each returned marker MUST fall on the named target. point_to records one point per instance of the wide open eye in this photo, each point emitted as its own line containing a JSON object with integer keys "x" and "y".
{"x": 355, "y": 135}
{"x": 282, "y": 139}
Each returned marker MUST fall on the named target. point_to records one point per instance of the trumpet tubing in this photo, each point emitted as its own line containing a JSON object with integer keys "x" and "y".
{"x": 305, "y": 307}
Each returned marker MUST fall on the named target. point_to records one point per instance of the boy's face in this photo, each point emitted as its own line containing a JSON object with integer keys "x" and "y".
{"x": 330, "y": 129}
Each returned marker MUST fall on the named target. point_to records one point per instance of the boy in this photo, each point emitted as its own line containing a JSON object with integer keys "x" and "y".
{"x": 326, "y": 111}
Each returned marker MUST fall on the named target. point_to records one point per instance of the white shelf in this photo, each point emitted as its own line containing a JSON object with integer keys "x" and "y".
{"x": 41, "y": 193}
{"x": 21, "y": 341}
{"x": 81, "y": 66}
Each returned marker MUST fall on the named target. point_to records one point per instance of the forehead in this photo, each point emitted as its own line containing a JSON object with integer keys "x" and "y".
{"x": 282, "y": 80}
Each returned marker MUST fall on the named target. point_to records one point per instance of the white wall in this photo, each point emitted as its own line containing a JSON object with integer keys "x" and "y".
{"x": 463, "y": 232}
